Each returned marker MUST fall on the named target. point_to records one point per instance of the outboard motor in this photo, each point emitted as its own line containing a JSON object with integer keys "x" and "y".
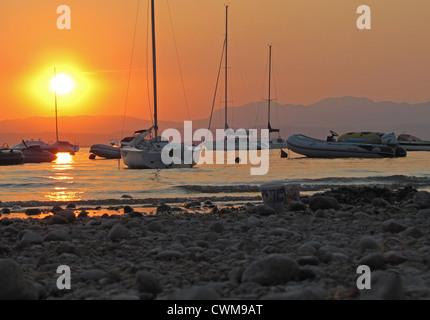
{"x": 389, "y": 139}
{"x": 332, "y": 137}
{"x": 400, "y": 152}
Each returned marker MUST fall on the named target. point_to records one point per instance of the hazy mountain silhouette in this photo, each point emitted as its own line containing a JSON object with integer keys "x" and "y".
{"x": 342, "y": 115}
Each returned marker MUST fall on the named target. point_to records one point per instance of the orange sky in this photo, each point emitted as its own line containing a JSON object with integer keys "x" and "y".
{"x": 318, "y": 52}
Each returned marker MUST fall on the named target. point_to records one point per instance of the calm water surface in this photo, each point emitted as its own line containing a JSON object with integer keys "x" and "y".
{"x": 79, "y": 178}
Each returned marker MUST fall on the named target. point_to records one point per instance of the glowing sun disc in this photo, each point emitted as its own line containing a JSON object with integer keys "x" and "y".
{"x": 62, "y": 84}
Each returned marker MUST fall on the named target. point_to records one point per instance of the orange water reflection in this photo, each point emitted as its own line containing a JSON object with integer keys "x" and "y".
{"x": 62, "y": 171}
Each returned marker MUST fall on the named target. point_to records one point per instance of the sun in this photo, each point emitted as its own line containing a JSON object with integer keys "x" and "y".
{"x": 62, "y": 84}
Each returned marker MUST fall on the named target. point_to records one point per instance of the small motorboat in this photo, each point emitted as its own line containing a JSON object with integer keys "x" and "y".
{"x": 35, "y": 154}
{"x": 105, "y": 151}
{"x": 56, "y": 147}
{"x": 412, "y": 143}
{"x": 314, "y": 148}
{"x": 9, "y": 156}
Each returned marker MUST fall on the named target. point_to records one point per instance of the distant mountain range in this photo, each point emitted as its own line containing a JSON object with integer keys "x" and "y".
{"x": 342, "y": 115}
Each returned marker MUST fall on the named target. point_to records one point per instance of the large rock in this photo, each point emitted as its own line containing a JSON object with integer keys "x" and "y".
{"x": 384, "y": 285}
{"x": 262, "y": 210}
{"x": 273, "y": 269}
{"x": 422, "y": 199}
{"x": 296, "y": 206}
{"x": 118, "y": 232}
{"x": 148, "y": 283}
{"x": 33, "y": 211}
{"x": 393, "y": 226}
{"x": 323, "y": 202}
{"x": 13, "y": 286}
{"x": 30, "y": 238}
{"x": 57, "y": 235}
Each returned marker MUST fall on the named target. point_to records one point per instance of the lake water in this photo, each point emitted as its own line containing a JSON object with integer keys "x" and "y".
{"x": 79, "y": 178}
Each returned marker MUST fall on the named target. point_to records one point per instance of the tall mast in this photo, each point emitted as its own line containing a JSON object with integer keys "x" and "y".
{"x": 56, "y": 113}
{"x": 226, "y": 64}
{"x": 154, "y": 69}
{"x": 270, "y": 76}
{"x": 269, "y": 99}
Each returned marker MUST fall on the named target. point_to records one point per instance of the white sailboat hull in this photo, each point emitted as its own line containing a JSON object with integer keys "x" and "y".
{"x": 147, "y": 158}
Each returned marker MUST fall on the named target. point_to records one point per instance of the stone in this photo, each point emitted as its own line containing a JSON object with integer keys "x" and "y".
{"x": 323, "y": 202}
{"x": 92, "y": 275}
{"x": 192, "y": 204}
{"x": 83, "y": 214}
{"x": 30, "y": 238}
{"x": 155, "y": 226}
{"x": 169, "y": 255}
{"x": 262, "y": 210}
{"x": 56, "y": 219}
{"x": 273, "y": 269}
{"x": 296, "y": 206}
{"x": 393, "y": 257}
{"x": 253, "y": 221}
{"x": 195, "y": 293}
{"x": 373, "y": 260}
{"x": 393, "y": 226}
{"x": 164, "y": 208}
{"x": 422, "y": 199}
{"x": 385, "y": 285}
{"x": 147, "y": 282}
{"x": 33, "y": 211}
{"x": 217, "y": 227}
{"x": 380, "y": 202}
{"x": 424, "y": 213}
{"x": 128, "y": 209}
{"x": 413, "y": 232}
{"x": 13, "y": 285}
{"x": 118, "y": 232}
{"x": 65, "y": 247}
{"x": 308, "y": 260}
{"x": 71, "y": 206}
{"x": 135, "y": 214}
{"x": 5, "y": 211}
{"x": 69, "y": 215}
{"x": 368, "y": 243}
{"x": 57, "y": 235}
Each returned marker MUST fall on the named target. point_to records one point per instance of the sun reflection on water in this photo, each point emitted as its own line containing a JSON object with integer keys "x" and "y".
{"x": 63, "y": 173}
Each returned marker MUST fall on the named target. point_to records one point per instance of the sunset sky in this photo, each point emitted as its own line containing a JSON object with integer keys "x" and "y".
{"x": 318, "y": 52}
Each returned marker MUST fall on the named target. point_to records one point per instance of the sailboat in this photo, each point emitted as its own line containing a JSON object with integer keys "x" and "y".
{"x": 274, "y": 143}
{"x": 54, "y": 148}
{"x": 147, "y": 152}
{"x": 233, "y": 140}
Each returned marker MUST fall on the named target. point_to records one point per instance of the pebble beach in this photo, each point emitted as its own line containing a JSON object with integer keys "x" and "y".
{"x": 211, "y": 249}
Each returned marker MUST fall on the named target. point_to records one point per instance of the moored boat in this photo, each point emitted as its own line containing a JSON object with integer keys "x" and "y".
{"x": 9, "y": 156}
{"x": 314, "y": 148}
{"x": 105, "y": 151}
{"x": 412, "y": 143}
{"x": 361, "y": 137}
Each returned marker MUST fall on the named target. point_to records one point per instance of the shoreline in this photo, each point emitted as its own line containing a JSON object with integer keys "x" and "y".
{"x": 237, "y": 251}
